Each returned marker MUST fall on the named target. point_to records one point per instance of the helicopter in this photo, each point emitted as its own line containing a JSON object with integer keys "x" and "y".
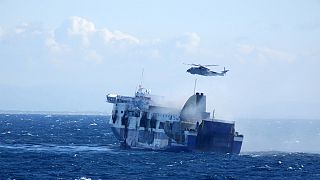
{"x": 204, "y": 71}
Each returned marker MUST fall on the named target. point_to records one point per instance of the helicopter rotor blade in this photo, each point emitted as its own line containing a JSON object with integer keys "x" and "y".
{"x": 207, "y": 65}
{"x": 192, "y": 64}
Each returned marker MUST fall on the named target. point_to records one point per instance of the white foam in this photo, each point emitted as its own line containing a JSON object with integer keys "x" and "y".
{"x": 57, "y": 148}
{"x": 8, "y": 132}
{"x": 84, "y": 178}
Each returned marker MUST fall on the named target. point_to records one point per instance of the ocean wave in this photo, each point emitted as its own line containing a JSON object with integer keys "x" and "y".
{"x": 59, "y": 148}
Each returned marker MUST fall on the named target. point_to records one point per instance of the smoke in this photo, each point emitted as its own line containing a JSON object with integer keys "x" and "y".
{"x": 172, "y": 102}
{"x": 288, "y": 135}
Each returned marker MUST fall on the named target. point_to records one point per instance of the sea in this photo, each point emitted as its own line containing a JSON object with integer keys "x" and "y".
{"x": 44, "y": 146}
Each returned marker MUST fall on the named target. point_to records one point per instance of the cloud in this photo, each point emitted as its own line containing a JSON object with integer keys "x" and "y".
{"x": 190, "y": 42}
{"x": 80, "y": 26}
{"x": 31, "y": 28}
{"x": 110, "y": 36}
{"x": 21, "y": 28}
{"x": 80, "y": 35}
{"x": 87, "y": 31}
{"x": 265, "y": 53}
{"x": 54, "y": 46}
{"x": 79, "y": 40}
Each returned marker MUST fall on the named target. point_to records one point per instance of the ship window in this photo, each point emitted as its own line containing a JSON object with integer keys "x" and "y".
{"x": 136, "y": 114}
{"x": 161, "y": 125}
{"x": 124, "y": 121}
{"x": 121, "y": 112}
{"x": 131, "y": 113}
{"x": 153, "y": 123}
{"x": 114, "y": 118}
{"x": 143, "y": 122}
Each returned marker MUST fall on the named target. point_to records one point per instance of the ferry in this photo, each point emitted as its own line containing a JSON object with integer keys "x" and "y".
{"x": 140, "y": 122}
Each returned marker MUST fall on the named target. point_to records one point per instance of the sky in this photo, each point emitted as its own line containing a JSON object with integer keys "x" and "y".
{"x": 67, "y": 55}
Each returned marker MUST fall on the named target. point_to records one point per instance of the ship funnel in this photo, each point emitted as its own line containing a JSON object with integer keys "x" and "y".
{"x": 194, "y": 110}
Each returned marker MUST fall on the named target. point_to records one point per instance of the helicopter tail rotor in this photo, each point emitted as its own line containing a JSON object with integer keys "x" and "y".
{"x": 224, "y": 71}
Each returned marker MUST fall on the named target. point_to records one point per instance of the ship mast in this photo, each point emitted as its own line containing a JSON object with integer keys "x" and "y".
{"x": 141, "y": 77}
{"x": 139, "y": 88}
{"x": 195, "y": 85}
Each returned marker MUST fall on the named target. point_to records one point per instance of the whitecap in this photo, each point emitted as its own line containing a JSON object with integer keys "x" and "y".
{"x": 267, "y": 166}
{"x": 58, "y": 149}
{"x": 255, "y": 155}
{"x": 84, "y": 178}
{"x": 150, "y": 163}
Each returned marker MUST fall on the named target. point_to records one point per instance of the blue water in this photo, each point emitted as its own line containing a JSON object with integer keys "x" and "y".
{"x": 83, "y": 147}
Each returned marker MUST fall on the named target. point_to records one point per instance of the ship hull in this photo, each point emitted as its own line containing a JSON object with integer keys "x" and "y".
{"x": 211, "y": 136}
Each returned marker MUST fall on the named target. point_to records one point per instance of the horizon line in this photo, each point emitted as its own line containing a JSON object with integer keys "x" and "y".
{"x": 53, "y": 112}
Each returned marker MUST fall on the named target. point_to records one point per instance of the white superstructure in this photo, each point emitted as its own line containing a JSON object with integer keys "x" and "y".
{"x": 138, "y": 122}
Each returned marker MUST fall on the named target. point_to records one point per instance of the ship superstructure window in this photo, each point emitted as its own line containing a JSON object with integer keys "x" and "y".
{"x": 123, "y": 121}
{"x": 143, "y": 122}
{"x": 161, "y": 125}
{"x": 153, "y": 123}
{"x": 136, "y": 114}
{"x": 114, "y": 117}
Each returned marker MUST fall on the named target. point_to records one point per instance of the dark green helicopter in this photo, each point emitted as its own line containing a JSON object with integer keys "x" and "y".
{"x": 204, "y": 71}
